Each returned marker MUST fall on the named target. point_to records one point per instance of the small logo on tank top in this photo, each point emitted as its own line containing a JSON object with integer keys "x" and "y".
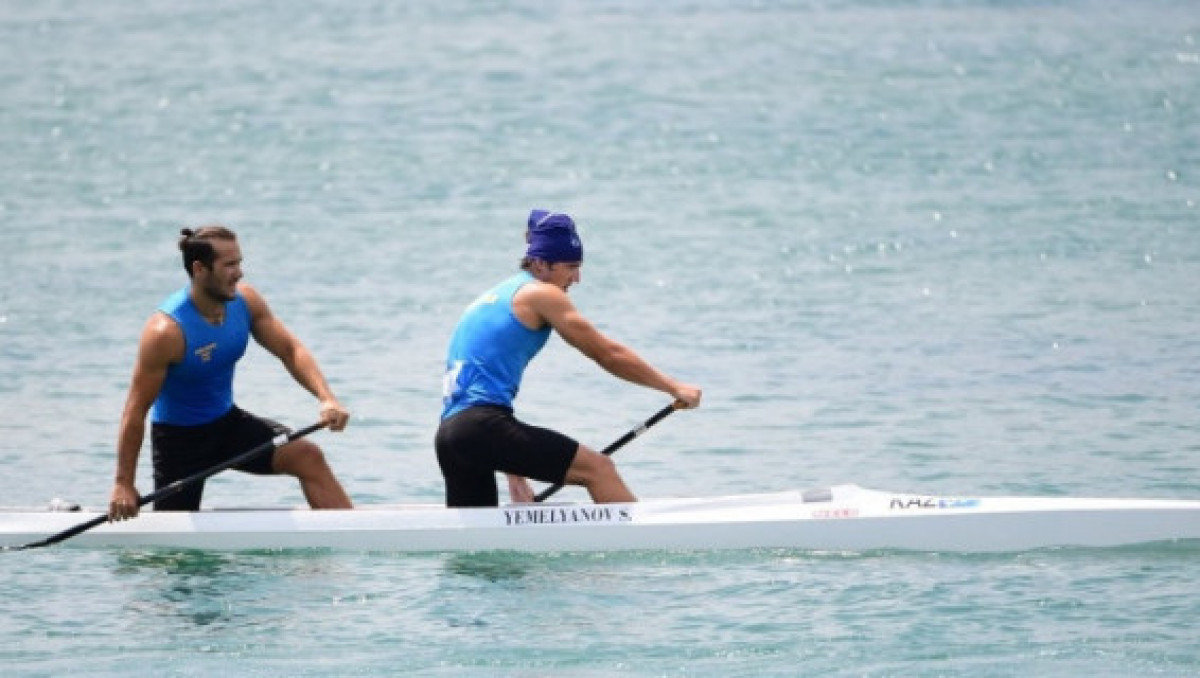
{"x": 205, "y": 352}
{"x": 485, "y": 299}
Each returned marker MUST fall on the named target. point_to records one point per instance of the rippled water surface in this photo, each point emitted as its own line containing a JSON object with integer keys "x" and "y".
{"x": 947, "y": 247}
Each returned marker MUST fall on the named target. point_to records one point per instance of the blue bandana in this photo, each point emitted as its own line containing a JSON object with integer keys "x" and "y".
{"x": 552, "y": 238}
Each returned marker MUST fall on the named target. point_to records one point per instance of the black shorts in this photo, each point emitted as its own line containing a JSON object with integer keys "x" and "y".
{"x": 181, "y": 451}
{"x": 479, "y": 441}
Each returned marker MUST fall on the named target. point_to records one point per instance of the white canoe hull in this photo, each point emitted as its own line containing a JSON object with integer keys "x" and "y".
{"x": 842, "y": 518}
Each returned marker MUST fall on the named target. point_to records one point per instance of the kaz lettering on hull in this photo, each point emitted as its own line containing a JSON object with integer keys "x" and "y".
{"x": 566, "y": 515}
{"x": 931, "y": 503}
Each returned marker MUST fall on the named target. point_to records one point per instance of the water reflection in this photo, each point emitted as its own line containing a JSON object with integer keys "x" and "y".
{"x": 491, "y": 566}
{"x": 209, "y": 588}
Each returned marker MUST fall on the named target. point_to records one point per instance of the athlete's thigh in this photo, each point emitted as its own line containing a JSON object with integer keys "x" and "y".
{"x": 531, "y": 451}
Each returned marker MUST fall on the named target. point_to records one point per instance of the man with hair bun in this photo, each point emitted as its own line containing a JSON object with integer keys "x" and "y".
{"x": 496, "y": 337}
{"x": 183, "y": 379}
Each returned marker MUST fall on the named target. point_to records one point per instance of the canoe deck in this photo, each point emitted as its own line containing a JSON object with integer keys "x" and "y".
{"x": 839, "y": 518}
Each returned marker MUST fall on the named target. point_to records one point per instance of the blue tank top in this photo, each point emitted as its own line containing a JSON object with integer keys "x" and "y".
{"x": 200, "y": 388}
{"x": 489, "y": 351}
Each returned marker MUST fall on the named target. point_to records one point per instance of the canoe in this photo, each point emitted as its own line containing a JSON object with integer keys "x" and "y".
{"x": 839, "y": 518}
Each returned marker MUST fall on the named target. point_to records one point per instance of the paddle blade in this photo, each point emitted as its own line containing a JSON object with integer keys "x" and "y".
{"x": 274, "y": 443}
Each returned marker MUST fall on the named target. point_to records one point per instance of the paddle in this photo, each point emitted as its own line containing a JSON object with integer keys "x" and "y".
{"x": 272, "y": 444}
{"x": 617, "y": 444}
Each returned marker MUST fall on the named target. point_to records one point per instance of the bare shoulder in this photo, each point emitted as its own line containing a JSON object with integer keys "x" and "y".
{"x": 162, "y": 339}
{"x": 538, "y": 303}
{"x": 160, "y": 326}
{"x": 543, "y": 296}
{"x": 254, "y": 300}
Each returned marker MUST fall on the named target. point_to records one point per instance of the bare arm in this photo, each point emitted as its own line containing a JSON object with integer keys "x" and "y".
{"x": 161, "y": 343}
{"x": 270, "y": 332}
{"x": 553, "y": 306}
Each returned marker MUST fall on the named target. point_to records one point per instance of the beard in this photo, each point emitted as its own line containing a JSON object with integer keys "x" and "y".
{"x": 217, "y": 293}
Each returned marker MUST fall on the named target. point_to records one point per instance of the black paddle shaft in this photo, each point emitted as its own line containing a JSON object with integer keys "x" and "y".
{"x": 617, "y": 444}
{"x": 272, "y": 444}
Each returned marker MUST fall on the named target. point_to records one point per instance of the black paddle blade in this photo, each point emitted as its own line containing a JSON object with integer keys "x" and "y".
{"x": 273, "y": 444}
{"x": 65, "y": 534}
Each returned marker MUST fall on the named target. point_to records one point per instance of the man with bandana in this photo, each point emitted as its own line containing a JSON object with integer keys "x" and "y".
{"x": 496, "y": 337}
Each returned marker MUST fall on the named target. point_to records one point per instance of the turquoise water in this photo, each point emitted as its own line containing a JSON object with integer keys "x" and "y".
{"x": 946, "y": 247}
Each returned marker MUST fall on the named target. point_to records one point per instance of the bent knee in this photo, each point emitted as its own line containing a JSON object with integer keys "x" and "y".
{"x": 590, "y": 466}
{"x": 298, "y": 458}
